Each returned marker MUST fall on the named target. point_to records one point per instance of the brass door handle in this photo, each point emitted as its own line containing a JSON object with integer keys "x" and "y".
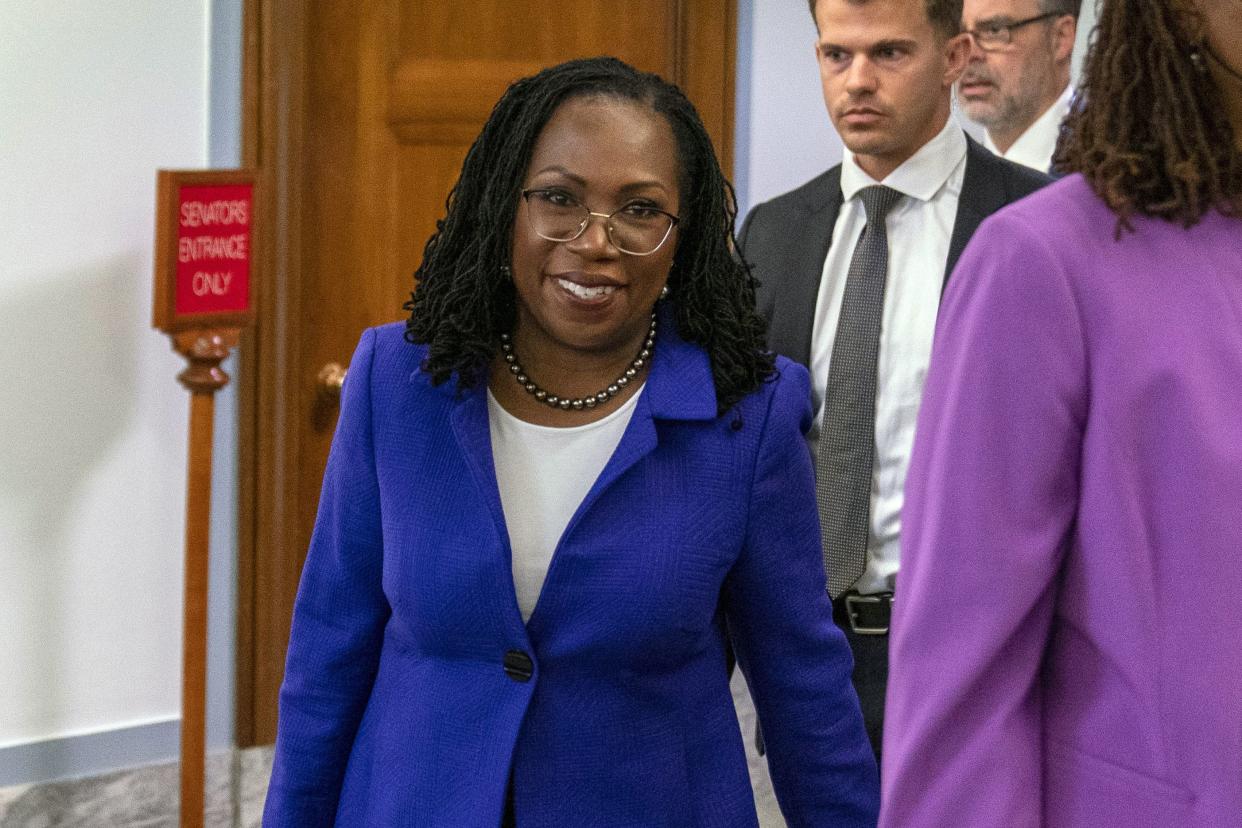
{"x": 331, "y": 378}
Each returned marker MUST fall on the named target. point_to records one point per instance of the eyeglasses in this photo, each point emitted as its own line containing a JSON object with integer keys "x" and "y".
{"x": 997, "y": 34}
{"x": 637, "y": 228}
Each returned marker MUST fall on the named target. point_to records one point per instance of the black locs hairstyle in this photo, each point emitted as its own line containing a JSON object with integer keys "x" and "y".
{"x": 463, "y": 300}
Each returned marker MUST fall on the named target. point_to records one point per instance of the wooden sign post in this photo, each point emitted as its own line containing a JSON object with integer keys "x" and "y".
{"x": 204, "y": 290}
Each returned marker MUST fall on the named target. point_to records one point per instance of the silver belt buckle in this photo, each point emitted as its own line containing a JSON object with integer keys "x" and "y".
{"x": 853, "y": 600}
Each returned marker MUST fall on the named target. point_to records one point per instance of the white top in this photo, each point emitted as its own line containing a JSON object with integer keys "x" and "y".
{"x": 544, "y": 473}
{"x": 919, "y": 229}
{"x": 1034, "y": 147}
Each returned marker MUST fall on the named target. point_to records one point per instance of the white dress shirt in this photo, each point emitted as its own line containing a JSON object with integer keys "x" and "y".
{"x": 919, "y": 229}
{"x": 1034, "y": 148}
{"x": 544, "y": 473}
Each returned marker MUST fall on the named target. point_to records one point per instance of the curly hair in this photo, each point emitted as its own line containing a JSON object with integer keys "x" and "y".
{"x": 462, "y": 302}
{"x": 1149, "y": 130}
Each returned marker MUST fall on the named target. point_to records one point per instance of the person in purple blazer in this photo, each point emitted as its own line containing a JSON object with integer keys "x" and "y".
{"x": 1068, "y": 647}
{"x": 548, "y": 495}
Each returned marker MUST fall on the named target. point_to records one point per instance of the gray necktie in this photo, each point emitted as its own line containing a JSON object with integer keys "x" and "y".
{"x": 843, "y": 460}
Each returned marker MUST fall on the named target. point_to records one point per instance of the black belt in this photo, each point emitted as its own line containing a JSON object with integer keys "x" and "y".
{"x": 864, "y": 614}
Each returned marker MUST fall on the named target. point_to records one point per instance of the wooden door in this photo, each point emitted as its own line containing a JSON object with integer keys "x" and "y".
{"x": 359, "y": 113}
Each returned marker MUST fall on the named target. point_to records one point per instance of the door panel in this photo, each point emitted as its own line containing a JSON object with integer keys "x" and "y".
{"x": 359, "y": 115}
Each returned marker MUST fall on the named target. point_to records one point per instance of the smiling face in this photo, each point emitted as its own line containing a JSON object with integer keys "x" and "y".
{"x": 1008, "y": 88}
{"x": 585, "y": 298}
{"x": 887, "y": 74}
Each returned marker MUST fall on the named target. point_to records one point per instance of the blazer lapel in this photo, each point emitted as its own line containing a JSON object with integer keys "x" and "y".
{"x": 679, "y": 387}
{"x": 983, "y": 193}
{"x": 797, "y": 295}
{"x": 474, "y": 439}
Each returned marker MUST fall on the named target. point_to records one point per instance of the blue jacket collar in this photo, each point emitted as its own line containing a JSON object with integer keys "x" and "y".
{"x": 680, "y": 385}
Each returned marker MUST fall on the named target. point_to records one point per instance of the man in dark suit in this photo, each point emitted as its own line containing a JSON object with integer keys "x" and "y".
{"x": 852, "y": 265}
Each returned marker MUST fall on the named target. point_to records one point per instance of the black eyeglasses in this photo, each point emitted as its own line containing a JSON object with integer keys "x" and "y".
{"x": 997, "y": 34}
{"x": 637, "y": 228}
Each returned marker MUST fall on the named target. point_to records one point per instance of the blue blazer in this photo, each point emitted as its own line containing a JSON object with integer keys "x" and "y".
{"x": 413, "y": 691}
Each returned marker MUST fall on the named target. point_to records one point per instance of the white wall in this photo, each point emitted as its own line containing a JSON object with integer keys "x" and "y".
{"x": 1086, "y": 22}
{"x": 93, "y": 98}
{"x": 783, "y": 135}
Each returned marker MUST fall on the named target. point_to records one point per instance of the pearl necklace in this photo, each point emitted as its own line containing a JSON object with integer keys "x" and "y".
{"x": 579, "y": 403}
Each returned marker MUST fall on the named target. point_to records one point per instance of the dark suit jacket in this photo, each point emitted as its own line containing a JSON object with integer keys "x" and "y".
{"x": 786, "y": 240}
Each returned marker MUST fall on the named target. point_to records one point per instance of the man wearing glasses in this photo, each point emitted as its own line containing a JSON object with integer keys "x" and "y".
{"x": 1017, "y": 83}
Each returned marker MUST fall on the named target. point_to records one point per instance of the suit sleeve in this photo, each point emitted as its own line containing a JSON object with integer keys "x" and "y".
{"x": 338, "y": 622}
{"x": 795, "y": 660}
{"x": 990, "y": 502}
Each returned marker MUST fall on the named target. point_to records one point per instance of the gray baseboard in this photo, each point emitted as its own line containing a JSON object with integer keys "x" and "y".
{"x": 144, "y": 797}
{"x": 90, "y": 755}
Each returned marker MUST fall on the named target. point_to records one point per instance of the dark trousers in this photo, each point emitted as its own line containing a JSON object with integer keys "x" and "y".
{"x": 870, "y": 674}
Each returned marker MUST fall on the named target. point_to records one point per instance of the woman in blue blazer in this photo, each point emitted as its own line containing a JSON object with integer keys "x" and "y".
{"x": 552, "y": 493}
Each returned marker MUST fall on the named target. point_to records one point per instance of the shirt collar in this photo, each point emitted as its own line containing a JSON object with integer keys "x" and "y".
{"x": 921, "y": 175}
{"x": 1034, "y": 147}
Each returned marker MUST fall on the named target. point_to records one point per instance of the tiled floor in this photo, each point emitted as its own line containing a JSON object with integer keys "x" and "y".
{"x": 765, "y": 799}
{"x": 236, "y": 786}
{"x": 143, "y": 797}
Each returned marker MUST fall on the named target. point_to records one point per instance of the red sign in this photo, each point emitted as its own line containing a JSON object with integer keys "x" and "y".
{"x": 204, "y": 249}
{"x": 213, "y": 248}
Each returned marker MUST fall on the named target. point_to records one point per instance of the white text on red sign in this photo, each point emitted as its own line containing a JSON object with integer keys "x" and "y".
{"x": 210, "y": 213}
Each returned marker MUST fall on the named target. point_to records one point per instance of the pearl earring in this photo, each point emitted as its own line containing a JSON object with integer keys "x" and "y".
{"x": 1196, "y": 60}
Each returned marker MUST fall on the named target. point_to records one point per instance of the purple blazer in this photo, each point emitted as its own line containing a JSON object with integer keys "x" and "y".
{"x": 414, "y": 693}
{"x": 1067, "y": 646}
